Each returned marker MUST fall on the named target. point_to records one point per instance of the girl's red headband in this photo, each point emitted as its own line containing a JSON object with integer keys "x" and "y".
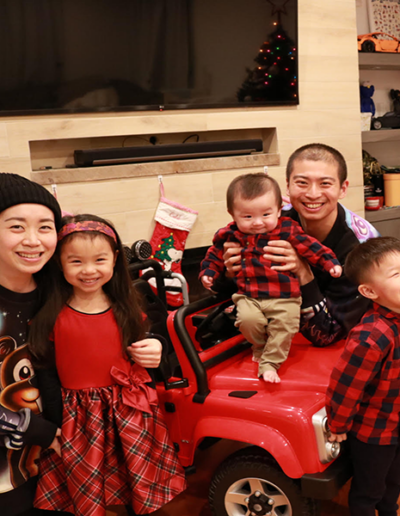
{"x": 86, "y": 225}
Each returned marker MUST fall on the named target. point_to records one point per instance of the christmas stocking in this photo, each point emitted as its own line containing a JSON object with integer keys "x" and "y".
{"x": 173, "y": 223}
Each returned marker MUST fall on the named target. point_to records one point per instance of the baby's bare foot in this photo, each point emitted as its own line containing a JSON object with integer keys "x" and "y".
{"x": 271, "y": 376}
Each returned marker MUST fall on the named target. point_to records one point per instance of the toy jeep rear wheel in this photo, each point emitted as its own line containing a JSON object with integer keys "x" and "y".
{"x": 368, "y": 46}
{"x": 251, "y": 483}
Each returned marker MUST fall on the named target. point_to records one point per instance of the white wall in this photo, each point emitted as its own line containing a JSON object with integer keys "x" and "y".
{"x": 362, "y": 17}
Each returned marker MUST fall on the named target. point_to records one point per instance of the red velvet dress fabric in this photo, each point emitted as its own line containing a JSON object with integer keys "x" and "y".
{"x": 115, "y": 444}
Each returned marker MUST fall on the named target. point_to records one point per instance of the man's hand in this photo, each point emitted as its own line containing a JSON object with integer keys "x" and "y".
{"x": 146, "y": 352}
{"x": 281, "y": 251}
{"x": 337, "y": 437}
{"x": 55, "y": 445}
{"x": 232, "y": 258}
{"x": 336, "y": 271}
{"x": 207, "y": 282}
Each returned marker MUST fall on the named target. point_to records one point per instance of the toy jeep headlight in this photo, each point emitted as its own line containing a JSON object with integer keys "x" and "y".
{"x": 327, "y": 451}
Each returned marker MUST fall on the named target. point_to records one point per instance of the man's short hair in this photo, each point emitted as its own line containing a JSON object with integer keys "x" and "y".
{"x": 251, "y": 186}
{"x": 318, "y": 152}
{"x": 365, "y": 256}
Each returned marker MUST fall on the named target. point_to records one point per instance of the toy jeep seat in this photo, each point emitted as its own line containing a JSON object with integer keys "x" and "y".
{"x": 215, "y": 326}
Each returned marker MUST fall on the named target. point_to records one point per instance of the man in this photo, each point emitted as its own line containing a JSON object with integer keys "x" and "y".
{"x": 316, "y": 177}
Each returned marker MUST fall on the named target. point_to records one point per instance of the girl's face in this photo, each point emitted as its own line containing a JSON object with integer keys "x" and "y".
{"x": 87, "y": 263}
{"x": 28, "y": 239}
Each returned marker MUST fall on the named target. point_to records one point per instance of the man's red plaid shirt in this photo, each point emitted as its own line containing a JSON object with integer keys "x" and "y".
{"x": 364, "y": 391}
{"x": 256, "y": 278}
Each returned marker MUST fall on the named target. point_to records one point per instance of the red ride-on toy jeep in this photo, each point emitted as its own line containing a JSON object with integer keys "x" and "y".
{"x": 209, "y": 390}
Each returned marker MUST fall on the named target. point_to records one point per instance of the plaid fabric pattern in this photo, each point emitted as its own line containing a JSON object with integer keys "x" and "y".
{"x": 112, "y": 454}
{"x": 256, "y": 279}
{"x": 364, "y": 390}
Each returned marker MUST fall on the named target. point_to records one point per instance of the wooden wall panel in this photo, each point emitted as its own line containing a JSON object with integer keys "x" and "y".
{"x": 4, "y": 149}
{"x": 328, "y": 112}
{"x": 334, "y": 69}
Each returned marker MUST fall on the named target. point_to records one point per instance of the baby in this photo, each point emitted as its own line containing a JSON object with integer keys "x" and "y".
{"x": 268, "y": 301}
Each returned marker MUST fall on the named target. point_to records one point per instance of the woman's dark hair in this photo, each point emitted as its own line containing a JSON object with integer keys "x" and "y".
{"x": 124, "y": 300}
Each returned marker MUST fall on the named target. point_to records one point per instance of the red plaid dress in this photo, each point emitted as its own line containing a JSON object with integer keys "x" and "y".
{"x": 115, "y": 444}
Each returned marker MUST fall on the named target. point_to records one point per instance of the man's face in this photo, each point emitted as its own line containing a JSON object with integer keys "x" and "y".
{"x": 314, "y": 189}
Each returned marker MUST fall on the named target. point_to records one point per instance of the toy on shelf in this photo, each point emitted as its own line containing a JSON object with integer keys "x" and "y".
{"x": 373, "y": 182}
{"x": 366, "y": 92}
{"x": 391, "y": 119}
{"x": 395, "y": 96}
{"x": 378, "y": 42}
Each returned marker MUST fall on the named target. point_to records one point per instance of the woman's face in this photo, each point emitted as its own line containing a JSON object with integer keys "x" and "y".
{"x": 28, "y": 239}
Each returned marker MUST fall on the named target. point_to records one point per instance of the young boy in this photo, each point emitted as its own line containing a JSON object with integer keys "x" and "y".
{"x": 363, "y": 398}
{"x": 268, "y": 301}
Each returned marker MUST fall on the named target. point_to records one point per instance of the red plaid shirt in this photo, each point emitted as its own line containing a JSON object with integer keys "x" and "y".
{"x": 256, "y": 278}
{"x": 364, "y": 390}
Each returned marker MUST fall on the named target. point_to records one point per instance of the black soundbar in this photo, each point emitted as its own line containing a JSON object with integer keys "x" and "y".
{"x": 95, "y": 157}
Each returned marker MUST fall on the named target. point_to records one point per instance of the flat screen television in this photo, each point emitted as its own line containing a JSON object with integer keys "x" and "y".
{"x": 64, "y": 56}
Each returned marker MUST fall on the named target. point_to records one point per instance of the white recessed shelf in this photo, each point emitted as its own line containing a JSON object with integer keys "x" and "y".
{"x": 378, "y": 61}
{"x": 383, "y": 135}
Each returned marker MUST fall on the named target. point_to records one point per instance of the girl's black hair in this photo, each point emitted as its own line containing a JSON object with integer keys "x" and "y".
{"x": 124, "y": 300}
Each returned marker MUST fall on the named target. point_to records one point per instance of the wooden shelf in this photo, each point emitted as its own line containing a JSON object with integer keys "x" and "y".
{"x": 385, "y": 220}
{"x": 383, "y": 135}
{"x": 72, "y": 175}
{"x": 383, "y": 214}
{"x": 378, "y": 61}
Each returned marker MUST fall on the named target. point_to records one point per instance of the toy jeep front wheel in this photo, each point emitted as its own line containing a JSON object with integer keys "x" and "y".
{"x": 251, "y": 483}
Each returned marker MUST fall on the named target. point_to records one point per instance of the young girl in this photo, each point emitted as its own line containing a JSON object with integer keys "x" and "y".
{"x": 114, "y": 442}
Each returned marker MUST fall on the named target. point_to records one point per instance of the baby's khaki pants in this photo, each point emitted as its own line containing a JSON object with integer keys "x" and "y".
{"x": 269, "y": 325}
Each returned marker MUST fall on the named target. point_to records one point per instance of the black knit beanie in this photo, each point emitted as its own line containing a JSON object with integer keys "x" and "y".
{"x": 15, "y": 189}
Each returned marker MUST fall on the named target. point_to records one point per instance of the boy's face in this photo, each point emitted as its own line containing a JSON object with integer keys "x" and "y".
{"x": 254, "y": 216}
{"x": 383, "y": 287}
{"x": 28, "y": 239}
{"x": 314, "y": 189}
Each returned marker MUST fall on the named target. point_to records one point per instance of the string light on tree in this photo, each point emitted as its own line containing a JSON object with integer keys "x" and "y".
{"x": 275, "y": 77}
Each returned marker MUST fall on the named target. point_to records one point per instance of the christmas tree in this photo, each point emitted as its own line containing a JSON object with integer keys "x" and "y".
{"x": 275, "y": 77}
{"x": 167, "y": 244}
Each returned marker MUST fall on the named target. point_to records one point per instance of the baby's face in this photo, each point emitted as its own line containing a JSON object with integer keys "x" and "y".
{"x": 385, "y": 281}
{"x": 259, "y": 215}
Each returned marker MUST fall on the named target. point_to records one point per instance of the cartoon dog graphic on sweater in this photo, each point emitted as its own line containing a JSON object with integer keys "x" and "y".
{"x": 18, "y": 391}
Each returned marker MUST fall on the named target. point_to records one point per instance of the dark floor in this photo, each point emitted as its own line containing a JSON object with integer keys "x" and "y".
{"x": 193, "y": 502}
